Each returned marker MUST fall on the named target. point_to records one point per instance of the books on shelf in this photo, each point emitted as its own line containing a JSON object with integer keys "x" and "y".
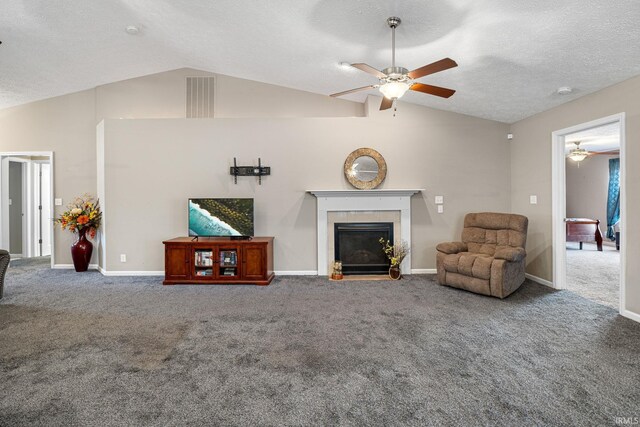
{"x": 204, "y": 258}
{"x": 204, "y": 273}
{"x": 228, "y": 258}
{"x": 229, "y": 271}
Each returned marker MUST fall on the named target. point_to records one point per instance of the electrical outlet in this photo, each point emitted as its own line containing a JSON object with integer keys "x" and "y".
{"x": 439, "y": 200}
{"x": 440, "y": 209}
{"x": 58, "y": 202}
{"x": 533, "y": 200}
{"x": 123, "y": 258}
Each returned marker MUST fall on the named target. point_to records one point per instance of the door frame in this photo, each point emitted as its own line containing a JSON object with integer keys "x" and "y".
{"x": 38, "y": 225}
{"x": 559, "y": 200}
{"x": 4, "y": 187}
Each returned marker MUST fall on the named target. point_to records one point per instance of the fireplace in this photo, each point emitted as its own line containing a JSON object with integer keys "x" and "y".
{"x": 358, "y": 246}
{"x": 374, "y": 204}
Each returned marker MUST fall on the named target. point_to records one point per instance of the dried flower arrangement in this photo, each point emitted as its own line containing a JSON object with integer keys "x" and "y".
{"x": 396, "y": 252}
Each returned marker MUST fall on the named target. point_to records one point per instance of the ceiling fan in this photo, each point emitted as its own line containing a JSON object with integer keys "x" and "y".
{"x": 395, "y": 81}
{"x": 579, "y": 154}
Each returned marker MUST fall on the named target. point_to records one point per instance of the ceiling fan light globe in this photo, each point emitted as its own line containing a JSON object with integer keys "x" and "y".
{"x": 578, "y": 155}
{"x": 394, "y": 90}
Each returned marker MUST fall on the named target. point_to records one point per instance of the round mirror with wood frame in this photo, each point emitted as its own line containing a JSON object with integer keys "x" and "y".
{"x": 365, "y": 168}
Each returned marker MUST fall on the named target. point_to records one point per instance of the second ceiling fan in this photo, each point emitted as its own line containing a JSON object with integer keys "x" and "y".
{"x": 395, "y": 81}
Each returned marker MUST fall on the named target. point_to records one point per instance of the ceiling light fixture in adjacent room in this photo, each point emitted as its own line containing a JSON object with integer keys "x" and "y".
{"x": 578, "y": 154}
{"x": 132, "y": 30}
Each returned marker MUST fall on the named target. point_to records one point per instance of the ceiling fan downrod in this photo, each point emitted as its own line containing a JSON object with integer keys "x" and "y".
{"x": 393, "y": 22}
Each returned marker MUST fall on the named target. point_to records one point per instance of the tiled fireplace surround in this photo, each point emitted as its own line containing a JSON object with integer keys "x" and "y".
{"x": 361, "y": 206}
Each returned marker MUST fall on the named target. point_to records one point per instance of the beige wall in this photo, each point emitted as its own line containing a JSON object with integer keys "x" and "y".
{"x": 66, "y": 124}
{"x": 163, "y": 96}
{"x": 431, "y": 142}
{"x": 588, "y": 188}
{"x": 153, "y": 166}
{"x": 531, "y": 174}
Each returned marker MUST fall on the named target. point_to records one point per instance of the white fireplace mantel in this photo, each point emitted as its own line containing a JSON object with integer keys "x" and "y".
{"x": 362, "y": 200}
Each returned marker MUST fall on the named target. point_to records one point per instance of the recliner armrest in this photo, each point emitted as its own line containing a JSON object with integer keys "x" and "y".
{"x": 510, "y": 254}
{"x": 451, "y": 247}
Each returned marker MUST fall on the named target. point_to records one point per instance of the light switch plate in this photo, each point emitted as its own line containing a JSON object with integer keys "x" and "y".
{"x": 58, "y": 202}
{"x": 533, "y": 200}
{"x": 439, "y": 200}
{"x": 10, "y": 202}
{"x": 440, "y": 209}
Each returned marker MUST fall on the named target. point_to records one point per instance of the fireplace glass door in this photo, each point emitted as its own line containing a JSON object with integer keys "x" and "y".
{"x": 358, "y": 246}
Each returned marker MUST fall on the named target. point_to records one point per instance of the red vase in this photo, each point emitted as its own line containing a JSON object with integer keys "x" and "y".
{"x": 81, "y": 251}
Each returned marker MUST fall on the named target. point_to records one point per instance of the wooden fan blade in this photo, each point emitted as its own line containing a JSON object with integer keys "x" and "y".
{"x": 432, "y": 90}
{"x": 354, "y": 90}
{"x": 605, "y": 153}
{"x": 386, "y": 103}
{"x": 369, "y": 69}
{"x": 443, "y": 64}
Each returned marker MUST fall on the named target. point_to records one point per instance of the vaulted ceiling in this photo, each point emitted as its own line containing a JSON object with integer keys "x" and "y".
{"x": 512, "y": 55}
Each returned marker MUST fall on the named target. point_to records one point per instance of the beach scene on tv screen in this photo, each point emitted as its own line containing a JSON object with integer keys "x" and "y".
{"x": 221, "y": 217}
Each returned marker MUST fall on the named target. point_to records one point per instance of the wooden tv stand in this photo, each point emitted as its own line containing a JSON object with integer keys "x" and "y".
{"x": 218, "y": 261}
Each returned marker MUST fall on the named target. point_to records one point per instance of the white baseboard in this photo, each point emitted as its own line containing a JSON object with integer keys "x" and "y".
{"x": 539, "y": 280}
{"x": 130, "y": 273}
{"x": 423, "y": 271}
{"x": 70, "y": 266}
{"x": 630, "y": 315}
{"x": 296, "y": 273}
{"x": 111, "y": 273}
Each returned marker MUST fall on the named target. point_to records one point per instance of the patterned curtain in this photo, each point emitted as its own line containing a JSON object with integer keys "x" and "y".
{"x": 613, "y": 200}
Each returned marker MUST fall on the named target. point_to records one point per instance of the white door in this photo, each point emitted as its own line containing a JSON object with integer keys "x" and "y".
{"x": 46, "y": 222}
{"x": 16, "y": 208}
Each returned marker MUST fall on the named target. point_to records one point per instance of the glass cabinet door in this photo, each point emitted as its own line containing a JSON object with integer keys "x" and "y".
{"x": 228, "y": 262}
{"x": 203, "y": 263}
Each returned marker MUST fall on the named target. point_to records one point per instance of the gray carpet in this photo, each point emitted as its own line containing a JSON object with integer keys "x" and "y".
{"x": 82, "y": 349}
{"x": 594, "y": 275}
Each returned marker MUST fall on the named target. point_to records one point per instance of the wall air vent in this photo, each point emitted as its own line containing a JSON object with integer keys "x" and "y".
{"x": 200, "y": 97}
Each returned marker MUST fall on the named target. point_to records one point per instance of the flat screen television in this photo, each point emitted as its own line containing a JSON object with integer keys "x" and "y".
{"x": 221, "y": 218}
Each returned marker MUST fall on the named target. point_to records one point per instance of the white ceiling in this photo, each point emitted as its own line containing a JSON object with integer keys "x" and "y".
{"x": 512, "y": 55}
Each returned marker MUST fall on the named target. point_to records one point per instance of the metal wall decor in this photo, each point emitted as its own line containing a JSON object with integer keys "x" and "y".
{"x": 365, "y": 168}
{"x": 258, "y": 171}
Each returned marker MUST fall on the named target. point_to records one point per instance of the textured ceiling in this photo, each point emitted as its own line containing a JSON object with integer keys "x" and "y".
{"x": 598, "y": 139}
{"x": 512, "y": 55}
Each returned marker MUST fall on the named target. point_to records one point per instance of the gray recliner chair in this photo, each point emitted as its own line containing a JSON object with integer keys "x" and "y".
{"x": 4, "y": 264}
{"x": 490, "y": 259}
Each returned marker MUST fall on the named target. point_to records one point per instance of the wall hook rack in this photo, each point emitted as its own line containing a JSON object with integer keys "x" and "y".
{"x": 258, "y": 171}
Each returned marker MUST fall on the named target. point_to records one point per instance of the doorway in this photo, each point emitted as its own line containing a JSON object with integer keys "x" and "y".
{"x": 593, "y": 213}
{"x": 17, "y": 206}
{"x": 26, "y": 204}
{"x": 562, "y": 140}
